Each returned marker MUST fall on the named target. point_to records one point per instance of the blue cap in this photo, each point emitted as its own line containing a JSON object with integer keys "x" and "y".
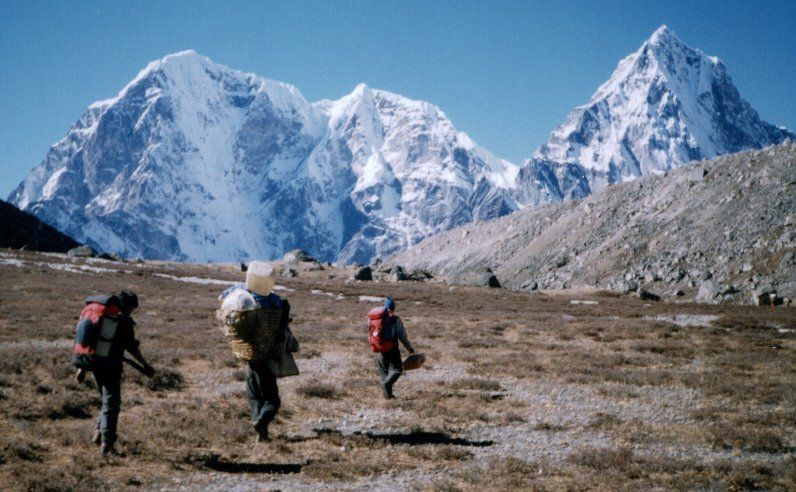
{"x": 389, "y": 304}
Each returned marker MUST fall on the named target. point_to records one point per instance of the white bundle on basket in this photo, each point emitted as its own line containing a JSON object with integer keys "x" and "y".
{"x": 250, "y": 331}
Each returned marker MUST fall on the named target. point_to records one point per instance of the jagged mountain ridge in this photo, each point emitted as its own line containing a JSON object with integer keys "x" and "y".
{"x": 665, "y": 105}
{"x": 196, "y": 161}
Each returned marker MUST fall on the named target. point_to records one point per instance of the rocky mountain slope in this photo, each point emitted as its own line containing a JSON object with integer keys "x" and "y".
{"x": 196, "y": 161}
{"x": 20, "y": 229}
{"x": 665, "y": 105}
{"x": 715, "y": 230}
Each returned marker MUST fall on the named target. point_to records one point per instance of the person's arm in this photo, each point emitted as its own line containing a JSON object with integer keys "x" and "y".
{"x": 133, "y": 348}
{"x": 400, "y": 332}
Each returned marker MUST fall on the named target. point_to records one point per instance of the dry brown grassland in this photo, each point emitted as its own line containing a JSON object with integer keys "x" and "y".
{"x": 520, "y": 391}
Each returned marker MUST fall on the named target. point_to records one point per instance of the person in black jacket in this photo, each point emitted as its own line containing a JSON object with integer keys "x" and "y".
{"x": 108, "y": 373}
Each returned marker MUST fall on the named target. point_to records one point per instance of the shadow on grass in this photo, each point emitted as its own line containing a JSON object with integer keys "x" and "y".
{"x": 416, "y": 438}
{"x": 270, "y": 468}
{"x": 215, "y": 462}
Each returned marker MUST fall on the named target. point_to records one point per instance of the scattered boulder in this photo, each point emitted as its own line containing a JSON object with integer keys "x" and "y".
{"x": 625, "y": 286}
{"x": 697, "y": 174}
{"x": 83, "y": 251}
{"x": 364, "y": 273}
{"x": 708, "y": 291}
{"x": 646, "y": 295}
{"x": 420, "y": 275}
{"x": 764, "y": 296}
{"x": 482, "y": 277}
{"x": 298, "y": 256}
{"x": 243, "y": 267}
{"x": 530, "y": 285}
{"x": 289, "y": 272}
{"x": 311, "y": 266}
{"x": 398, "y": 274}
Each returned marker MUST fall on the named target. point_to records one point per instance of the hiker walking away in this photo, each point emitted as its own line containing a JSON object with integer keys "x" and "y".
{"x": 115, "y": 335}
{"x": 384, "y": 331}
{"x": 262, "y": 390}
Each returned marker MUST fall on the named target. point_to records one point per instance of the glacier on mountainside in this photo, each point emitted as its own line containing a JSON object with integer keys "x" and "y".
{"x": 195, "y": 161}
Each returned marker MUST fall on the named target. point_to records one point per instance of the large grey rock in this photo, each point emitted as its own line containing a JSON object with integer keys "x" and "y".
{"x": 364, "y": 273}
{"x": 398, "y": 274}
{"x": 708, "y": 291}
{"x": 298, "y": 256}
{"x": 482, "y": 277}
{"x": 83, "y": 251}
{"x": 646, "y": 295}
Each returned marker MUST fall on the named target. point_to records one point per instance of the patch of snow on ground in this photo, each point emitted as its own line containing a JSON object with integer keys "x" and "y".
{"x": 337, "y": 297}
{"x": 576, "y": 301}
{"x": 65, "y": 267}
{"x": 371, "y": 299}
{"x": 12, "y": 262}
{"x": 196, "y": 280}
{"x": 685, "y": 319}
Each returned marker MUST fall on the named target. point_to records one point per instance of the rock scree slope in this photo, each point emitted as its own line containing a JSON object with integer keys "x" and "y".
{"x": 716, "y": 230}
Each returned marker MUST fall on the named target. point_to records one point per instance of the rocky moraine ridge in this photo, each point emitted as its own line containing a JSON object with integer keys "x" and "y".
{"x": 720, "y": 230}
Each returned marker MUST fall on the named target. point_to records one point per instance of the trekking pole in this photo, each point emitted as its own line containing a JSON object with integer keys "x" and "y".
{"x": 138, "y": 367}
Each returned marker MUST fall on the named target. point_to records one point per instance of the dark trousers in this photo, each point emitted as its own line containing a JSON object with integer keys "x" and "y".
{"x": 390, "y": 367}
{"x": 109, "y": 385}
{"x": 262, "y": 392}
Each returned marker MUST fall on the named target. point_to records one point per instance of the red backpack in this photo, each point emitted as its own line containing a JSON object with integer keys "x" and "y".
{"x": 95, "y": 331}
{"x": 380, "y": 329}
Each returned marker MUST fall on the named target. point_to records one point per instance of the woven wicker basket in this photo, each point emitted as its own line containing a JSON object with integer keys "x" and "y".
{"x": 251, "y": 333}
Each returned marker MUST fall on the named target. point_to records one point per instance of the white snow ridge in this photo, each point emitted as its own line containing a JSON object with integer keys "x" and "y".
{"x": 195, "y": 161}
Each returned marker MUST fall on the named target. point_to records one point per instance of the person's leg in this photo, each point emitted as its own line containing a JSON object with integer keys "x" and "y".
{"x": 96, "y": 438}
{"x": 109, "y": 386}
{"x": 383, "y": 366}
{"x": 253, "y": 392}
{"x": 270, "y": 393}
{"x": 394, "y": 369}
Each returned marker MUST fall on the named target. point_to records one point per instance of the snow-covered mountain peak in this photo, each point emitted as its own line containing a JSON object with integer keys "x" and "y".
{"x": 194, "y": 160}
{"x": 662, "y": 35}
{"x": 665, "y": 105}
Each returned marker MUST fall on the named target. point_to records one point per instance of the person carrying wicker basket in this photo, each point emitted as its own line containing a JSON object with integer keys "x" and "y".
{"x": 256, "y": 323}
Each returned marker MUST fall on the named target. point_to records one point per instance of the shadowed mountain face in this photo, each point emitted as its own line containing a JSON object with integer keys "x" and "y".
{"x": 19, "y": 229}
{"x": 196, "y": 161}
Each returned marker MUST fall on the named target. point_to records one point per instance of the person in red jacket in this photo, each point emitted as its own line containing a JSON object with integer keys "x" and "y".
{"x": 389, "y": 362}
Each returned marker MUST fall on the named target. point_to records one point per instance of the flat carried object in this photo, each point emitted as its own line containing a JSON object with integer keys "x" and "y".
{"x": 414, "y": 361}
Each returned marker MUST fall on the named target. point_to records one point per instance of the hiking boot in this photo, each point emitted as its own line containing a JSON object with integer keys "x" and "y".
{"x": 262, "y": 430}
{"x": 107, "y": 449}
{"x": 262, "y": 436}
{"x": 96, "y": 438}
{"x": 386, "y": 390}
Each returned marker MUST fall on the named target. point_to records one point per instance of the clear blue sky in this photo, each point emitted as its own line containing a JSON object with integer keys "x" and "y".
{"x": 506, "y": 73}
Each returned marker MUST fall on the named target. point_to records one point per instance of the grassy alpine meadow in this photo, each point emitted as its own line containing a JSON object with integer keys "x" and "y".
{"x": 549, "y": 391}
